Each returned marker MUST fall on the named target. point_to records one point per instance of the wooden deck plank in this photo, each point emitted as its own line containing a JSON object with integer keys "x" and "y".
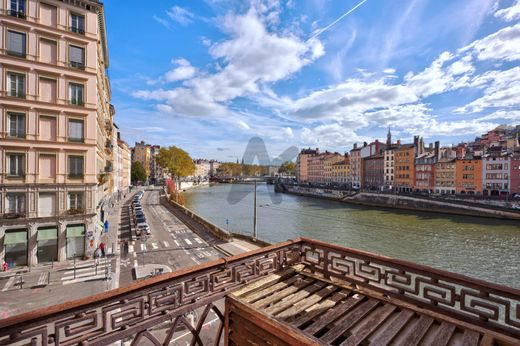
{"x": 333, "y": 314}
{"x": 308, "y": 302}
{"x": 320, "y": 308}
{"x": 266, "y": 281}
{"x": 264, "y": 292}
{"x": 296, "y": 285}
{"x": 294, "y": 298}
{"x": 370, "y": 325}
{"x": 417, "y": 331}
{"x": 348, "y": 320}
{"x": 443, "y": 334}
{"x": 470, "y": 338}
{"x": 393, "y": 328}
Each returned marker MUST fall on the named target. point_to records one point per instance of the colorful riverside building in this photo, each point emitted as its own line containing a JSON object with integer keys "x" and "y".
{"x": 302, "y": 164}
{"x": 57, "y": 137}
{"x": 341, "y": 172}
{"x": 515, "y": 171}
{"x": 496, "y": 171}
{"x": 445, "y": 172}
{"x": 356, "y": 166}
{"x": 374, "y": 172}
{"x": 468, "y": 175}
{"x": 328, "y": 163}
{"x": 424, "y": 174}
{"x": 404, "y": 161}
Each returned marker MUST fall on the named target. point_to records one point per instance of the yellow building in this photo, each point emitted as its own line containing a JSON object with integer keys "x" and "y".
{"x": 142, "y": 153}
{"x": 341, "y": 172}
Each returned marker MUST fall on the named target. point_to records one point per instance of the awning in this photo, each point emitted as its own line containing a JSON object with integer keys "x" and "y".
{"x": 15, "y": 237}
{"x": 47, "y": 233}
{"x": 75, "y": 231}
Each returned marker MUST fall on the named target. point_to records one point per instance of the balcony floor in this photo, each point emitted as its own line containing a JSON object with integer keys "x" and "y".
{"x": 335, "y": 313}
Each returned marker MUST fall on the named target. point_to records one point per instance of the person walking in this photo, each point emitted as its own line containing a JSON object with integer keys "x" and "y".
{"x": 102, "y": 248}
{"x": 97, "y": 255}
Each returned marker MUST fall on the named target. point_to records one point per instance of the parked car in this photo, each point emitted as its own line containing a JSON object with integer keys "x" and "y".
{"x": 516, "y": 195}
{"x": 143, "y": 227}
{"x": 140, "y": 219}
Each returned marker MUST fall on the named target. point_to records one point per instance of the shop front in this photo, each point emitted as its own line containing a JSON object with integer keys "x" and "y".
{"x": 15, "y": 246}
{"x": 47, "y": 244}
{"x": 75, "y": 241}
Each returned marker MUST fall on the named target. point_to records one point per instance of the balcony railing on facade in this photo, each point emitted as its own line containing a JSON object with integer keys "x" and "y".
{"x": 136, "y": 311}
{"x": 17, "y": 14}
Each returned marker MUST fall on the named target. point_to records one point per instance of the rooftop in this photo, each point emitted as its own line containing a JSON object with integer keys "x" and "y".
{"x": 297, "y": 292}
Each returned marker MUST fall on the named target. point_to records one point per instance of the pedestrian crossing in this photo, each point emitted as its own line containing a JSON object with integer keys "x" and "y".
{"x": 155, "y": 245}
{"x": 87, "y": 271}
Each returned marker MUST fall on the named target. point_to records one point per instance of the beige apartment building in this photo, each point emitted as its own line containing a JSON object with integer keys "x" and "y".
{"x": 328, "y": 163}
{"x": 56, "y": 131}
{"x": 302, "y": 164}
{"x": 142, "y": 153}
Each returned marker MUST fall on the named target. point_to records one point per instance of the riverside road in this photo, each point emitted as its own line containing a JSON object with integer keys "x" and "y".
{"x": 479, "y": 247}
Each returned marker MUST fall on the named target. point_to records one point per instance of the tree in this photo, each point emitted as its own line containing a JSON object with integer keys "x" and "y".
{"x": 288, "y": 168}
{"x": 138, "y": 172}
{"x": 176, "y": 162}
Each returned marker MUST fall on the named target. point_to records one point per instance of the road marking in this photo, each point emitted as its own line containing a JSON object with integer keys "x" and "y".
{"x": 130, "y": 248}
{"x": 177, "y": 242}
{"x": 199, "y": 255}
{"x": 8, "y": 284}
{"x": 173, "y": 236}
{"x": 187, "y": 241}
{"x": 166, "y": 243}
{"x": 42, "y": 280}
{"x": 135, "y": 263}
{"x": 198, "y": 240}
{"x": 143, "y": 247}
{"x": 154, "y": 245}
{"x": 82, "y": 279}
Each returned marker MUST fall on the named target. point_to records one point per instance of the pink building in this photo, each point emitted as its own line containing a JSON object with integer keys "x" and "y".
{"x": 56, "y": 121}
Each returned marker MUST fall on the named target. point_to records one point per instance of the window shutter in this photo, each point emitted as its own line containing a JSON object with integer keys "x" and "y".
{"x": 77, "y": 55}
{"x": 17, "y": 42}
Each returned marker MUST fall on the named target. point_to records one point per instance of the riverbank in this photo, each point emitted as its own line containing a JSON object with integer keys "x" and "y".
{"x": 412, "y": 203}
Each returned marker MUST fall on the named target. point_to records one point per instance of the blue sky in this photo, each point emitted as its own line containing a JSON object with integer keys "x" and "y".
{"x": 208, "y": 75}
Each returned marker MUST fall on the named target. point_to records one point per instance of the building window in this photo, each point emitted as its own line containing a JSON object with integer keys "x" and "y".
{"x": 75, "y": 200}
{"x": 16, "y": 43}
{"x": 15, "y": 203}
{"x": 17, "y": 8}
{"x": 16, "y": 85}
{"x": 16, "y": 125}
{"x": 76, "y": 94}
{"x": 16, "y": 164}
{"x": 76, "y": 130}
{"x": 75, "y": 167}
{"x": 77, "y": 23}
{"x": 77, "y": 57}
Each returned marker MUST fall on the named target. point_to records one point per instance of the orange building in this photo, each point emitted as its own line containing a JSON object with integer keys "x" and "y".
{"x": 404, "y": 171}
{"x": 468, "y": 176}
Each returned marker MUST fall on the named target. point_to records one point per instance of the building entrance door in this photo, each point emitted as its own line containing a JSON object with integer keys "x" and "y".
{"x": 75, "y": 241}
{"x": 15, "y": 243}
{"x": 47, "y": 244}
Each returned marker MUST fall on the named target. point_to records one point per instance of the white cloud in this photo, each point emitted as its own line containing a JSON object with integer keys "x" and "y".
{"x": 184, "y": 70}
{"x": 288, "y": 132}
{"x": 162, "y": 21}
{"x": 181, "y": 15}
{"x": 389, "y": 70}
{"x": 243, "y": 125}
{"x": 510, "y": 13}
{"x": 501, "y": 45}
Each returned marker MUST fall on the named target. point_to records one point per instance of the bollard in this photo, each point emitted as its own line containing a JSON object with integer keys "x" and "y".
{"x": 74, "y": 265}
{"x": 21, "y": 281}
{"x": 48, "y": 278}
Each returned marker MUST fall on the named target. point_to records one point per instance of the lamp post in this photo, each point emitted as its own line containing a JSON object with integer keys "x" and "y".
{"x": 254, "y": 214}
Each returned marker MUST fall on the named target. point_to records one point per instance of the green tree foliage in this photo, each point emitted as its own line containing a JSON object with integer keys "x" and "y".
{"x": 288, "y": 167}
{"x": 138, "y": 172}
{"x": 237, "y": 169}
{"x": 176, "y": 162}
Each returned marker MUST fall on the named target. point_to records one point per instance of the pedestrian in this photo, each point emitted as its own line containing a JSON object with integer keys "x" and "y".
{"x": 5, "y": 266}
{"x": 102, "y": 248}
{"x": 97, "y": 255}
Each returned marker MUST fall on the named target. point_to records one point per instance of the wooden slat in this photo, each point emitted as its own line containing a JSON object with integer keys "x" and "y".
{"x": 297, "y": 285}
{"x": 470, "y": 338}
{"x": 442, "y": 335}
{"x": 264, "y": 282}
{"x": 292, "y": 299}
{"x": 270, "y": 289}
{"x": 349, "y": 320}
{"x": 417, "y": 331}
{"x": 320, "y": 308}
{"x": 370, "y": 325}
{"x": 333, "y": 314}
{"x": 304, "y": 304}
{"x": 393, "y": 328}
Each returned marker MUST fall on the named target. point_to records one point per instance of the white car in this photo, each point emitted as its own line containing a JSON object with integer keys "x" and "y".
{"x": 143, "y": 227}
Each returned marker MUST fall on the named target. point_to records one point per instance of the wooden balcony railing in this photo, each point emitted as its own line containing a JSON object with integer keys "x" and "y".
{"x": 131, "y": 313}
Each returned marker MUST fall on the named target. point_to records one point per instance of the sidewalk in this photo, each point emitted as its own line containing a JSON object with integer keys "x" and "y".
{"x": 237, "y": 246}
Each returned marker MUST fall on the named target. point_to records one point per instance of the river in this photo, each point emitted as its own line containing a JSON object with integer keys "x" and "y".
{"x": 483, "y": 248}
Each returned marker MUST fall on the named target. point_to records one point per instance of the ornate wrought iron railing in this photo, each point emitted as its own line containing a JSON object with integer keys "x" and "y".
{"x": 155, "y": 309}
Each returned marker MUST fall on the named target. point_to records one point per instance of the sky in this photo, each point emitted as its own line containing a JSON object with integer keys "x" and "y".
{"x": 209, "y": 75}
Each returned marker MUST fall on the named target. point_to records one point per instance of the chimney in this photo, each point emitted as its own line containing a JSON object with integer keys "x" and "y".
{"x": 398, "y": 142}
{"x": 355, "y": 145}
{"x": 430, "y": 147}
{"x": 365, "y": 144}
{"x": 416, "y": 141}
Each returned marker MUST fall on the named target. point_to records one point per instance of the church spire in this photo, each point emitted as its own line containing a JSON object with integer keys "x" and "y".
{"x": 389, "y": 137}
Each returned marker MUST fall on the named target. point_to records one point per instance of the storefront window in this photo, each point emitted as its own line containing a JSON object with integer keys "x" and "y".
{"x": 75, "y": 241}
{"x": 47, "y": 244}
{"x": 15, "y": 243}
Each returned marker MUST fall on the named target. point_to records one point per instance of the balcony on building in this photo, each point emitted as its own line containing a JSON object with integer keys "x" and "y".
{"x": 300, "y": 292}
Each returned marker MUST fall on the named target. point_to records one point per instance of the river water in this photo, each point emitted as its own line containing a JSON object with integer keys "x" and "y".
{"x": 483, "y": 248}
